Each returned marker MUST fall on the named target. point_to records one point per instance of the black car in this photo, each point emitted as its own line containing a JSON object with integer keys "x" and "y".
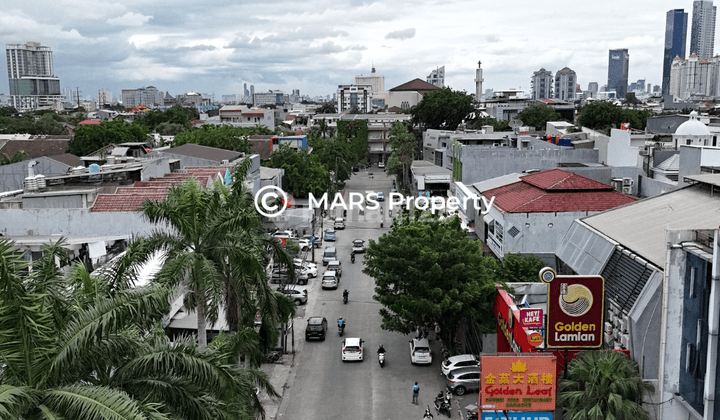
{"x": 316, "y": 328}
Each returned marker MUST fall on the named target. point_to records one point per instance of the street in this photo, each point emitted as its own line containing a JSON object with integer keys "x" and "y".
{"x": 321, "y": 385}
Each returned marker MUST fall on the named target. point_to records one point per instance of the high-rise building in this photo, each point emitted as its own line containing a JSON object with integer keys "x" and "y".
{"x": 246, "y": 92}
{"x": 478, "y": 82}
{"x": 541, "y": 84}
{"x": 31, "y": 76}
{"x": 354, "y": 96}
{"x": 675, "y": 41}
{"x": 702, "y": 33}
{"x": 592, "y": 90}
{"x": 252, "y": 91}
{"x": 146, "y": 96}
{"x": 618, "y": 63}
{"x": 104, "y": 97}
{"x": 437, "y": 77}
{"x": 376, "y": 81}
{"x": 565, "y": 84}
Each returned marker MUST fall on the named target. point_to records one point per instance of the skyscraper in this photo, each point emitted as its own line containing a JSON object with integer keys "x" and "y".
{"x": 675, "y": 41}
{"x": 702, "y": 34}
{"x": 618, "y": 63}
{"x": 30, "y": 73}
{"x": 541, "y": 84}
{"x": 565, "y": 84}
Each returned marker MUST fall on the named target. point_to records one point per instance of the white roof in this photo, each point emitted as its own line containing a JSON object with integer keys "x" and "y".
{"x": 692, "y": 127}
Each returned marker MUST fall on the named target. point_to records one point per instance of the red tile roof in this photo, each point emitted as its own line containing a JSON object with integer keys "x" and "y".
{"x": 254, "y": 114}
{"x": 556, "y": 191}
{"x": 85, "y": 122}
{"x": 124, "y": 202}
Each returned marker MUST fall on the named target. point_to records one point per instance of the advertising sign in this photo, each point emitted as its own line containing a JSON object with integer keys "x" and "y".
{"x": 518, "y": 383}
{"x": 535, "y": 338}
{"x": 531, "y": 318}
{"x": 574, "y": 310}
{"x": 518, "y": 415}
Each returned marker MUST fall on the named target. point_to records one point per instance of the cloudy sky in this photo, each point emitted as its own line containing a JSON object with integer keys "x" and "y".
{"x": 313, "y": 45}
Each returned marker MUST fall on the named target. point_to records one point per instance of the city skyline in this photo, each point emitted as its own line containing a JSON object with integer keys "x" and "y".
{"x": 318, "y": 45}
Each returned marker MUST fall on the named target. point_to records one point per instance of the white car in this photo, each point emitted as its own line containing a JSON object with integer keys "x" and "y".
{"x": 330, "y": 280}
{"x": 309, "y": 269}
{"x": 459, "y": 361}
{"x": 298, "y": 294}
{"x": 420, "y": 351}
{"x": 352, "y": 349}
{"x": 381, "y": 165}
{"x": 304, "y": 244}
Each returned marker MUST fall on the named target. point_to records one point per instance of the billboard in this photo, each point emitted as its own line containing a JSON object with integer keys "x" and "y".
{"x": 524, "y": 415}
{"x": 531, "y": 318}
{"x": 574, "y": 310}
{"x": 519, "y": 383}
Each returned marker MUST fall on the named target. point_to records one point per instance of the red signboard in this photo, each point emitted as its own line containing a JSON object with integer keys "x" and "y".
{"x": 574, "y": 310}
{"x": 535, "y": 339}
{"x": 531, "y": 318}
{"x": 518, "y": 382}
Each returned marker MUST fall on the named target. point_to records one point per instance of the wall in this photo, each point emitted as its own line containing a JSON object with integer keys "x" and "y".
{"x": 12, "y": 175}
{"x": 651, "y": 187}
{"x": 155, "y": 168}
{"x": 690, "y": 158}
{"x": 601, "y": 143}
{"x": 397, "y": 98}
{"x": 619, "y": 152}
{"x": 481, "y": 163}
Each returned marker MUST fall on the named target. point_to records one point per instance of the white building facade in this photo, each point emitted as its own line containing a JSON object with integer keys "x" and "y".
{"x": 31, "y": 76}
{"x": 146, "y": 96}
{"x": 541, "y": 84}
{"x": 565, "y": 84}
{"x": 354, "y": 96}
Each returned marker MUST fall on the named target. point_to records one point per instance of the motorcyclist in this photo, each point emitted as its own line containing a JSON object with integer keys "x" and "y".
{"x": 352, "y": 255}
{"x": 381, "y": 349}
{"x": 345, "y": 295}
{"x": 341, "y": 323}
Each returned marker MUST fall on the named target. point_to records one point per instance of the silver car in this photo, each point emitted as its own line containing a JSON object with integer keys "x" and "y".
{"x": 462, "y": 380}
{"x": 330, "y": 280}
{"x": 298, "y": 294}
{"x": 459, "y": 361}
{"x": 420, "y": 351}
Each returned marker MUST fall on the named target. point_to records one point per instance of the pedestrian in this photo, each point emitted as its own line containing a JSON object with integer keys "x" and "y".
{"x": 416, "y": 392}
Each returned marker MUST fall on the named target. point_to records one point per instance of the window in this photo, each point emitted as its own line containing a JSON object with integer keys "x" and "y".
{"x": 498, "y": 231}
{"x": 688, "y": 142}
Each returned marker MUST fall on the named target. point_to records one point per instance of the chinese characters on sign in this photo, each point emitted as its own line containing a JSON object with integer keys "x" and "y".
{"x": 519, "y": 383}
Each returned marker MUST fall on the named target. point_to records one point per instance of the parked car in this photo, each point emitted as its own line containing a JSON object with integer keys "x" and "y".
{"x": 304, "y": 244}
{"x": 335, "y": 266}
{"x": 330, "y": 280}
{"x": 462, "y": 380}
{"x": 339, "y": 223}
{"x": 330, "y": 254}
{"x": 420, "y": 351}
{"x": 352, "y": 349}
{"x": 358, "y": 246}
{"x": 381, "y": 165}
{"x": 298, "y": 294}
{"x": 329, "y": 234}
{"x": 459, "y": 361}
{"x": 307, "y": 268}
{"x": 318, "y": 240}
{"x": 316, "y": 328}
{"x": 281, "y": 274}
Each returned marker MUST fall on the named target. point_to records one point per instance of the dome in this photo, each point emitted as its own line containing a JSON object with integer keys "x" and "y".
{"x": 692, "y": 127}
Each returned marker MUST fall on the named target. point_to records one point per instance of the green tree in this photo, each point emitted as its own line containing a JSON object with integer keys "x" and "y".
{"x": 442, "y": 109}
{"x": 602, "y": 385}
{"x": 428, "y": 270}
{"x": 6, "y": 111}
{"x": 327, "y": 108}
{"x": 538, "y": 115}
{"x": 89, "y": 347}
{"x": 221, "y": 136}
{"x": 91, "y": 137}
{"x": 335, "y": 154}
{"x": 403, "y": 148}
{"x": 304, "y": 173}
{"x": 520, "y": 268}
{"x": 604, "y": 116}
{"x": 17, "y": 157}
{"x": 357, "y": 134}
{"x": 48, "y": 124}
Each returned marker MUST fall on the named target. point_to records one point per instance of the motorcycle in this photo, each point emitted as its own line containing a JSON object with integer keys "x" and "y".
{"x": 472, "y": 415}
{"x": 442, "y": 405}
{"x": 428, "y": 415}
{"x": 352, "y": 258}
{"x": 345, "y": 298}
{"x": 381, "y": 359}
{"x": 341, "y": 328}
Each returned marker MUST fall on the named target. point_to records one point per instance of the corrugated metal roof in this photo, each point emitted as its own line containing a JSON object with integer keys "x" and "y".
{"x": 625, "y": 278}
{"x": 641, "y": 226}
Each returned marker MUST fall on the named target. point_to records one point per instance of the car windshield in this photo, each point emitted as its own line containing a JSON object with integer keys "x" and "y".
{"x": 422, "y": 349}
{"x": 352, "y": 348}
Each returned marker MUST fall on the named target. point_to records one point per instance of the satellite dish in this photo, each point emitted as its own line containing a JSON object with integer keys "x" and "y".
{"x": 515, "y": 123}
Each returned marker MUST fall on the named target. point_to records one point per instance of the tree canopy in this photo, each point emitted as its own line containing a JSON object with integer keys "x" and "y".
{"x": 428, "y": 270}
{"x": 335, "y": 154}
{"x": 497, "y": 125}
{"x": 442, "y": 109}
{"x": 520, "y": 268}
{"x": 403, "y": 146}
{"x": 47, "y": 123}
{"x": 176, "y": 115}
{"x": 603, "y": 115}
{"x": 538, "y": 115}
{"x": 356, "y": 134}
{"x": 304, "y": 173}
{"x": 91, "y": 137}
{"x": 221, "y": 136}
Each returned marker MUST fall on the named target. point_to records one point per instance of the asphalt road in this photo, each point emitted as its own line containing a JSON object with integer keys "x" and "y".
{"x": 324, "y": 387}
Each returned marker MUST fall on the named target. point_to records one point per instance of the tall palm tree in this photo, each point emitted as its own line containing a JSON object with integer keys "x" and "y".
{"x": 602, "y": 385}
{"x": 89, "y": 347}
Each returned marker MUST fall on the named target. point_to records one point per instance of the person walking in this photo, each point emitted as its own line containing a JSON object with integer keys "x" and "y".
{"x": 416, "y": 393}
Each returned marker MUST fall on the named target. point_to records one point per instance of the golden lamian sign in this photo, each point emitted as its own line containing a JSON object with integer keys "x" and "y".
{"x": 574, "y": 310}
{"x": 518, "y": 383}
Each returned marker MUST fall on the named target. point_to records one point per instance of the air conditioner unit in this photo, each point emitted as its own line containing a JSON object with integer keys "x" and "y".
{"x": 628, "y": 181}
{"x": 625, "y": 341}
{"x": 608, "y": 328}
{"x": 627, "y": 190}
{"x": 609, "y": 339}
{"x": 617, "y": 335}
{"x": 624, "y": 325}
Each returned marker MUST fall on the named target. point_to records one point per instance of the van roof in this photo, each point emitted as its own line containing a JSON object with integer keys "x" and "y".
{"x": 330, "y": 248}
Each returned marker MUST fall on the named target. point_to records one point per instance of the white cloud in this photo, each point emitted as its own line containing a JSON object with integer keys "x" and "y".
{"x": 403, "y": 34}
{"x": 130, "y": 19}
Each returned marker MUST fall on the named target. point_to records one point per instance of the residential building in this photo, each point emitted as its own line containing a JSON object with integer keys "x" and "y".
{"x": 533, "y": 214}
{"x": 378, "y": 95}
{"x": 294, "y": 142}
{"x": 274, "y": 97}
{"x": 592, "y": 90}
{"x": 146, "y": 96}
{"x": 408, "y": 94}
{"x": 31, "y": 76}
{"x": 541, "y": 84}
{"x": 478, "y": 82}
{"x": 437, "y": 77}
{"x": 618, "y": 63}
{"x": 702, "y": 33}
{"x": 675, "y": 41}
{"x": 354, "y": 96}
{"x": 694, "y": 78}
{"x": 565, "y": 85}
{"x": 506, "y": 104}
{"x": 242, "y": 116}
{"x": 104, "y": 97}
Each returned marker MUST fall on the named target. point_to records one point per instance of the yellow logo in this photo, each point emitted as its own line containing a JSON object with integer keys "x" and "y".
{"x": 518, "y": 366}
{"x": 575, "y": 299}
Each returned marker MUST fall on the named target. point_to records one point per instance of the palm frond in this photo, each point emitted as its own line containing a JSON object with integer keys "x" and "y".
{"x": 93, "y": 402}
{"x": 14, "y": 400}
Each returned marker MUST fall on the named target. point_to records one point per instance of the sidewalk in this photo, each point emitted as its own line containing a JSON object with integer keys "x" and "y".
{"x": 279, "y": 374}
